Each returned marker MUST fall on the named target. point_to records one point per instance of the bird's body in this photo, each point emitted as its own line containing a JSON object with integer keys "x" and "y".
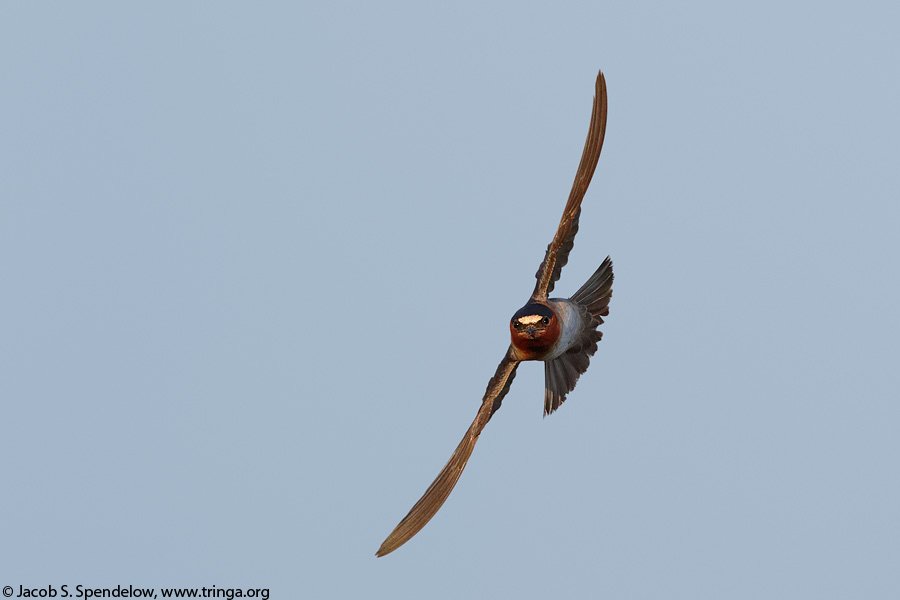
{"x": 561, "y": 332}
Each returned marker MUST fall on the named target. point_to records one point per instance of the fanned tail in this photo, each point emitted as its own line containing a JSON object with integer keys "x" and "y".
{"x": 594, "y": 295}
{"x": 562, "y": 373}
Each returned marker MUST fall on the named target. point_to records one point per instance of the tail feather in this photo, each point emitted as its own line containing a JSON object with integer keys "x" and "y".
{"x": 596, "y": 291}
{"x": 562, "y": 373}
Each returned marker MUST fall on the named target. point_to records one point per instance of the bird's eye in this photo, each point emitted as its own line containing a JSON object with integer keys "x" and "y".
{"x": 545, "y": 320}
{"x": 517, "y": 325}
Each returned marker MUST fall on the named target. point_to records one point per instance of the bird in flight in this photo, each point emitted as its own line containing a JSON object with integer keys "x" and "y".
{"x": 561, "y": 332}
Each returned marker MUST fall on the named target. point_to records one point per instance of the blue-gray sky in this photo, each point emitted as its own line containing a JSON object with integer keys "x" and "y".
{"x": 258, "y": 263}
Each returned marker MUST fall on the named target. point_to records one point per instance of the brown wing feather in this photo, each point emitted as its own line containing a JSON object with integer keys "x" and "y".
{"x": 558, "y": 251}
{"x": 441, "y": 487}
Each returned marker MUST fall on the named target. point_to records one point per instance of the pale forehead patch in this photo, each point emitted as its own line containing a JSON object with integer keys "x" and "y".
{"x": 529, "y": 319}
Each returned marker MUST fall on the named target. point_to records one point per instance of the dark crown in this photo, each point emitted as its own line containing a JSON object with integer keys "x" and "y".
{"x": 533, "y": 309}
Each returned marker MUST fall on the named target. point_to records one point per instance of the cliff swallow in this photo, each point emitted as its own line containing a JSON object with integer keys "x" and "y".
{"x": 560, "y": 332}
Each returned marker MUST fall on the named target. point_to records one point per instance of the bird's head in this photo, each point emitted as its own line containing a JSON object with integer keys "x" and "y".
{"x": 534, "y": 329}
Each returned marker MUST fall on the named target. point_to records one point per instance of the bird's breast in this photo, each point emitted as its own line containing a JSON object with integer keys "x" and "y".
{"x": 570, "y": 322}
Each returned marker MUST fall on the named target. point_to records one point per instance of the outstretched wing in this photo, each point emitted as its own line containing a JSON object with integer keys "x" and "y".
{"x": 438, "y": 491}
{"x": 558, "y": 251}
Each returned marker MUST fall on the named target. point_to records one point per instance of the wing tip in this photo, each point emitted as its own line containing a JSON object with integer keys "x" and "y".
{"x": 600, "y": 85}
{"x": 396, "y": 539}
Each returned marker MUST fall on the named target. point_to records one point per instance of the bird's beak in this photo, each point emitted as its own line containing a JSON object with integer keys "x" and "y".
{"x": 530, "y": 330}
